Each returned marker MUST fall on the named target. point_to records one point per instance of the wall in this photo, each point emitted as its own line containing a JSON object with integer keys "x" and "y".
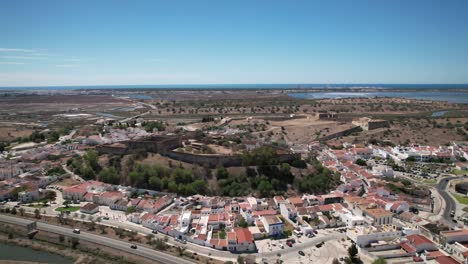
{"x": 165, "y": 146}
{"x": 341, "y": 133}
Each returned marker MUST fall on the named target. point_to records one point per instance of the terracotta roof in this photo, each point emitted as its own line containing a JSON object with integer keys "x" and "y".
{"x": 231, "y": 235}
{"x": 446, "y": 260}
{"x": 89, "y": 207}
{"x": 454, "y": 233}
{"x": 264, "y": 212}
{"x": 378, "y": 212}
{"x": 418, "y": 240}
{"x": 243, "y": 235}
{"x": 407, "y": 247}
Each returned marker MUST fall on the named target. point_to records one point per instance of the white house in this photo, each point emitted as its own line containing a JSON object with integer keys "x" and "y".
{"x": 363, "y": 236}
{"x": 273, "y": 225}
{"x": 288, "y": 211}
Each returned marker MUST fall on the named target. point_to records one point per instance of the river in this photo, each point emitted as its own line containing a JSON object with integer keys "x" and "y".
{"x": 17, "y": 253}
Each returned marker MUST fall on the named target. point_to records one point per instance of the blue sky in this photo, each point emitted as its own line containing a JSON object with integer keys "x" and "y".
{"x": 208, "y": 42}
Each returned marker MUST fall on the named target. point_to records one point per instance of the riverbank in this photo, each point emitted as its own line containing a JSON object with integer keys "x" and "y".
{"x": 81, "y": 253}
{"x": 65, "y": 256}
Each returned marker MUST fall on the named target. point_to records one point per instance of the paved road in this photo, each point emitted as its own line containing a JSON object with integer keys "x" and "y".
{"x": 450, "y": 204}
{"x": 101, "y": 240}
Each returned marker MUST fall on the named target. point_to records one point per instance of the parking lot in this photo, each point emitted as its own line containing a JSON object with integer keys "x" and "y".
{"x": 325, "y": 252}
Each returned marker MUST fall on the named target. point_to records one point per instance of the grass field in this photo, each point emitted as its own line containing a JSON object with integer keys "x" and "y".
{"x": 459, "y": 172}
{"x": 429, "y": 181}
{"x": 68, "y": 209}
{"x": 461, "y": 198}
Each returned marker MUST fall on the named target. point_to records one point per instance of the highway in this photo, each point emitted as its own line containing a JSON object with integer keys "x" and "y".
{"x": 141, "y": 251}
{"x": 450, "y": 204}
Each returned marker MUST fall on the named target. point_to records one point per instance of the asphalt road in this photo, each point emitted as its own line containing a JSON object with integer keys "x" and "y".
{"x": 450, "y": 204}
{"x": 148, "y": 253}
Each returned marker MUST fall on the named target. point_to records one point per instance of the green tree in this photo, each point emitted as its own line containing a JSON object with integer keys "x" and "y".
{"x": 222, "y": 173}
{"x": 361, "y": 162}
{"x": 37, "y": 213}
{"x": 242, "y": 222}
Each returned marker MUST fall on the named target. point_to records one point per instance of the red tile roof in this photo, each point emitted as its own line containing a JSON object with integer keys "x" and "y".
{"x": 446, "y": 260}
{"x": 418, "y": 240}
{"x": 243, "y": 235}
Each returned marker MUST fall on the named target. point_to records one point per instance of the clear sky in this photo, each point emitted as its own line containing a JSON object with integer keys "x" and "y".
{"x": 208, "y": 42}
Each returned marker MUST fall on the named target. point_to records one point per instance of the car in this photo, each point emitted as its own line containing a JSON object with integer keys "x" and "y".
{"x": 281, "y": 246}
{"x": 183, "y": 241}
{"x": 76, "y": 231}
{"x": 154, "y": 232}
{"x": 133, "y": 246}
{"x": 315, "y": 232}
{"x": 455, "y": 221}
{"x": 289, "y": 244}
{"x": 452, "y": 214}
{"x": 301, "y": 253}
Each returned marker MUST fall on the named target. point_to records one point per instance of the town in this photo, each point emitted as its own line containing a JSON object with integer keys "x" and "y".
{"x": 370, "y": 201}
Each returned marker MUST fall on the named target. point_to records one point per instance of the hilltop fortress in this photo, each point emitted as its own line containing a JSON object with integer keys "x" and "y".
{"x": 166, "y": 146}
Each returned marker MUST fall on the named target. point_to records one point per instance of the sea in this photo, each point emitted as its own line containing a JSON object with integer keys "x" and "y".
{"x": 454, "y": 93}
{"x": 243, "y": 86}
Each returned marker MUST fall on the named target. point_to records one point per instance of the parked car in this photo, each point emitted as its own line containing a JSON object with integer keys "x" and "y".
{"x": 301, "y": 253}
{"x": 133, "y": 246}
{"x": 154, "y": 232}
{"x": 289, "y": 243}
{"x": 76, "y": 231}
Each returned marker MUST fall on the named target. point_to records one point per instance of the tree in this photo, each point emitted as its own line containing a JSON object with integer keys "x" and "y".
{"x": 91, "y": 158}
{"x": 74, "y": 242}
{"x": 240, "y": 259}
{"x": 66, "y": 203}
{"x": 352, "y": 252}
{"x": 181, "y": 250}
{"x": 160, "y": 244}
{"x": 50, "y": 195}
{"x": 222, "y": 173}
{"x": 222, "y": 234}
{"x": 37, "y": 213}
{"x": 91, "y": 226}
{"x": 102, "y": 228}
{"x": 21, "y": 211}
{"x": 149, "y": 238}
{"x": 131, "y": 209}
{"x": 361, "y": 162}
{"x": 13, "y": 211}
{"x": 242, "y": 222}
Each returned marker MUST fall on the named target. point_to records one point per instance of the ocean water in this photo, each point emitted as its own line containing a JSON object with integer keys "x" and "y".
{"x": 449, "y": 96}
{"x": 244, "y": 86}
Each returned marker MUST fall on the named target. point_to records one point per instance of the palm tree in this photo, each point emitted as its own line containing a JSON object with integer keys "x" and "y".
{"x": 37, "y": 213}
{"x": 149, "y": 238}
{"x": 181, "y": 251}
